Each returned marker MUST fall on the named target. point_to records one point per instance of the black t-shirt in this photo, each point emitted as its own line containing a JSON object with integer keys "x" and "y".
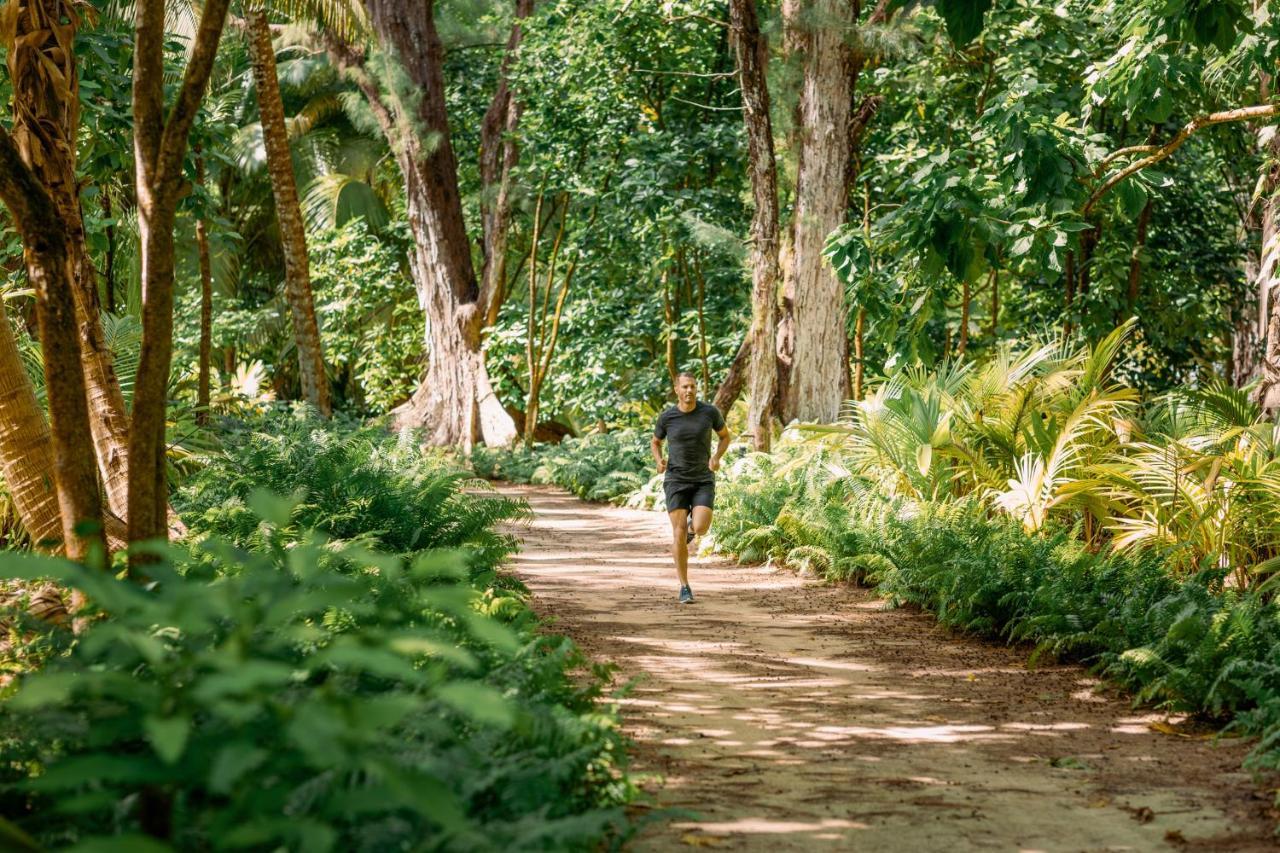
{"x": 688, "y": 436}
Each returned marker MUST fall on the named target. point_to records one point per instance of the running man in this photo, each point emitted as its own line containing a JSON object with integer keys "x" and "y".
{"x": 690, "y": 481}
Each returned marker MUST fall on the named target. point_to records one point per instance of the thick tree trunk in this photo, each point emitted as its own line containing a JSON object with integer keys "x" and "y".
{"x": 26, "y": 447}
{"x": 818, "y": 375}
{"x": 752, "y": 55}
{"x": 49, "y": 271}
{"x": 293, "y": 232}
{"x": 735, "y": 377}
{"x": 160, "y": 145}
{"x": 206, "y": 309}
{"x": 455, "y": 404}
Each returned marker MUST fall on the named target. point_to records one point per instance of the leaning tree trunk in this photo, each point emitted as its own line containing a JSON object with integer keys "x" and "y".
{"x": 26, "y": 448}
{"x": 46, "y": 121}
{"x": 75, "y": 473}
{"x": 293, "y": 234}
{"x": 752, "y": 55}
{"x": 160, "y": 146}
{"x": 818, "y": 380}
{"x": 455, "y": 404}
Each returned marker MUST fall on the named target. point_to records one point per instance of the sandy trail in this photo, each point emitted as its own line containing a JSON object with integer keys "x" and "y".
{"x": 791, "y": 715}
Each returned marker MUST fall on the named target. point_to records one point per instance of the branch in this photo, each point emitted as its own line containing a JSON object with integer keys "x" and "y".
{"x": 177, "y": 127}
{"x": 351, "y": 62}
{"x": 1162, "y": 152}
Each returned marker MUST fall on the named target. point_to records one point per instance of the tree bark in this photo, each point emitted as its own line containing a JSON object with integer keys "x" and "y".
{"x": 964, "y": 319}
{"x": 160, "y": 145}
{"x": 1135, "y": 257}
{"x": 819, "y": 376}
{"x": 455, "y": 404}
{"x": 1267, "y": 283}
{"x": 206, "y": 308}
{"x": 26, "y": 447}
{"x": 49, "y": 271}
{"x": 293, "y": 232}
{"x": 46, "y": 122}
{"x": 752, "y": 54}
{"x": 735, "y": 378}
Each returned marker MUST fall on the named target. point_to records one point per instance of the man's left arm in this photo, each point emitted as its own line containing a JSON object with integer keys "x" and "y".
{"x": 721, "y": 447}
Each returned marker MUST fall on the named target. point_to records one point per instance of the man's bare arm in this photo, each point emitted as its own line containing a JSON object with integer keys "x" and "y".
{"x": 721, "y": 447}
{"x": 655, "y": 445}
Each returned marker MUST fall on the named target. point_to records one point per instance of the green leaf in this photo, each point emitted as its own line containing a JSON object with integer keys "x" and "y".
{"x": 14, "y": 838}
{"x": 167, "y": 736}
{"x": 233, "y": 761}
{"x": 273, "y": 508}
{"x": 480, "y": 702}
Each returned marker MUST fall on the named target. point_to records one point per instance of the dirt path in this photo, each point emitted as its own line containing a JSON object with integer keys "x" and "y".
{"x": 791, "y": 715}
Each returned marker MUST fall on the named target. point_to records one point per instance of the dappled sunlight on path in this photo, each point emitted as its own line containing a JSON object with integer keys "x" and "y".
{"x": 782, "y": 714}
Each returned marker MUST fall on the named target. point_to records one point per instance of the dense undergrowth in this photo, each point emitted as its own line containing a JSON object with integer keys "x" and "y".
{"x": 605, "y": 466}
{"x": 339, "y": 669}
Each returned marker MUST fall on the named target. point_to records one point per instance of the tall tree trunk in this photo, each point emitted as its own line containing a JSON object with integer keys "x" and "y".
{"x": 206, "y": 307}
{"x": 752, "y": 54}
{"x": 499, "y": 154}
{"x": 995, "y": 302}
{"x": 819, "y": 377}
{"x": 160, "y": 146}
{"x": 46, "y": 122}
{"x": 26, "y": 447}
{"x": 859, "y": 341}
{"x": 964, "y": 319}
{"x": 455, "y": 403}
{"x": 293, "y": 232}
{"x": 49, "y": 271}
{"x": 1267, "y": 283}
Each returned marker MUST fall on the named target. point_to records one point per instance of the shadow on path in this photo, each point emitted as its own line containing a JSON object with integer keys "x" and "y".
{"x": 791, "y": 715}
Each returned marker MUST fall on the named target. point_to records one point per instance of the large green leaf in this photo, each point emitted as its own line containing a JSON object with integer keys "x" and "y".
{"x": 964, "y": 18}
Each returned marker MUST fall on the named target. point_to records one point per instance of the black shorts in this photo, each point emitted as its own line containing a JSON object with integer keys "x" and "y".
{"x": 688, "y": 495}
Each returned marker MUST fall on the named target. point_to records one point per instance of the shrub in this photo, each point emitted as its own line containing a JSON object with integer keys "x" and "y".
{"x": 281, "y": 683}
{"x": 604, "y": 466}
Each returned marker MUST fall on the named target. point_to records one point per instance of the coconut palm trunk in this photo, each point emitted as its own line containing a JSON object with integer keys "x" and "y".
{"x": 293, "y": 234}
{"x": 46, "y": 121}
{"x": 26, "y": 448}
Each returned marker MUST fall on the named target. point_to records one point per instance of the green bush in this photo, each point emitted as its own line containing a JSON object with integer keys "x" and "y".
{"x": 606, "y": 466}
{"x": 281, "y": 683}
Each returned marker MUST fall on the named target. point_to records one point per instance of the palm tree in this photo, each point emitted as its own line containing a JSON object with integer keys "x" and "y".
{"x": 297, "y": 277}
{"x": 26, "y": 448}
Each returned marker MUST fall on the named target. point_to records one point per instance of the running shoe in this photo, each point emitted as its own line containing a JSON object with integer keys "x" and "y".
{"x": 686, "y": 595}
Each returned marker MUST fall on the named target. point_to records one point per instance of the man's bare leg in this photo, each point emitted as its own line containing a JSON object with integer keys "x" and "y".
{"x": 680, "y": 544}
{"x": 701, "y": 520}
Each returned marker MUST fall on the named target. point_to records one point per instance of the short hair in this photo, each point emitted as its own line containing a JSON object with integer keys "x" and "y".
{"x": 689, "y": 373}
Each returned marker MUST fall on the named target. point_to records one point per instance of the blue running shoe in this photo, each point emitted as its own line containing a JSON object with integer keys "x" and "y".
{"x": 686, "y": 595}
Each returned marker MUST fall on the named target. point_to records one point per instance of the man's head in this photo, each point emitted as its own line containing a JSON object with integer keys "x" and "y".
{"x": 686, "y": 388}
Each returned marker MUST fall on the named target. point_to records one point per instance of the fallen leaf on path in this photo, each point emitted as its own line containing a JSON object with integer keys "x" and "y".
{"x": 693, "y": 840}
{"x": 1167, "y": 729}
{"x": 1100, "y": 803}
{"x": 1175, "y": 836}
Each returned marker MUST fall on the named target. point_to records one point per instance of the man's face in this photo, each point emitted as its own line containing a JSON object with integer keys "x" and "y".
{"x": 686, "y": 390}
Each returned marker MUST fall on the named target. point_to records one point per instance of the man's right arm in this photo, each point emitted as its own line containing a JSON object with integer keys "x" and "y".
{"x": 655, "y": 445}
